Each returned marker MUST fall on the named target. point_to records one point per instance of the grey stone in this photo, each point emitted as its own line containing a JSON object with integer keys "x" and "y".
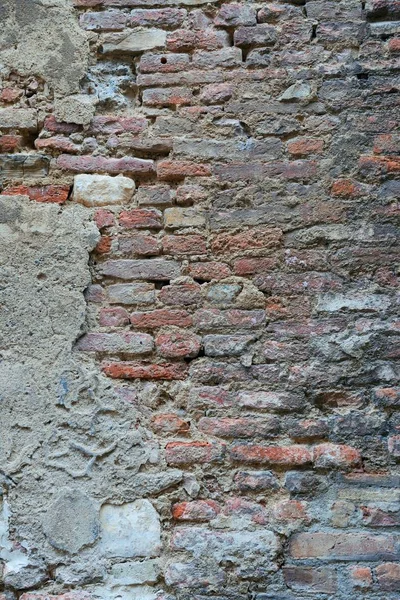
{"x": 71, "y": 522}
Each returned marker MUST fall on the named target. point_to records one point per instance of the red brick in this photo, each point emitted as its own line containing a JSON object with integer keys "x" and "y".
{"x": 161, "y": 17}
{"x": 183, "y": 40}
{"x": 58, "y": 143}
{"x": 111, "y": 124}
{"x": 262, "y": 238}
{"x": 377, "y": 166}
{"x": 161, "y": 318}
{"x": 178, "y": 344}
{"x": 345, "y": 188}
{"x": 216, "y": 93}
{"x": 352, "y": 546}
{"x": 50, "y": 124}
{"x": 169, "y": 423}
{"x": 100, "y": 164}
{"x": 104, "y": 218}
{"x": 44, "y": 193}
{"x": 244, "y": 427}
{"x": 185, "y": 453}
{"x": 197, "y": 511}
{"x": 184, "y": 294}
{"x": 10, "y": 143}
{"x": 133, "y": 370}
{"x": 245, "y": 509}
{"x": 10, "y": 95}
{"x": 290, "y": 510}
{"x": 140, "y": 245}
{"x": 305, "y": 146}
{"x": 184, "y": 244}
{"x": 387, "y": 143}
{"x": 394, "y": 45}
{"x": 289, "y": 456}
{"x": 104, "y": 245}
{"x": 388, "y": 576}
{"x": 251, "y": 266}
{"x": 141, "y": 218}
{"x": 336, "y": 456}
{"x": 176, "y": 170}
{"x": 361, "y": 577}
{"x": 113, "y": 317}
{"x": 207, "y": 271}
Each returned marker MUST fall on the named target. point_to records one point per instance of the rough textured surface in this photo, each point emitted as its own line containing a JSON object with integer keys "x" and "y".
{"x": 199, "y": 381}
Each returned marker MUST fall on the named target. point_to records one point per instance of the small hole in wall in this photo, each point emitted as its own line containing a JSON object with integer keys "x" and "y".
{"x": 160, "y": 284}
{"x": 42, "y": 276}
{"x": 163, "y": 60}
{"x": 362, "y": 76}
{"x": 200, "y": 281}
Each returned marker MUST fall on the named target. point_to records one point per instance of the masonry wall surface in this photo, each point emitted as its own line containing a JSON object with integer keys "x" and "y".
{"x": 199, "y": 300}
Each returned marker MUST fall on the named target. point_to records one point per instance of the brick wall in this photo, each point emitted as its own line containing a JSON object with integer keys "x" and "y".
{"x": 240, "y": 160}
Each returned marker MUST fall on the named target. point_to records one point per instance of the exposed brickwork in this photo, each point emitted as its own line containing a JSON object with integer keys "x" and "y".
{"x": 243, "y": 293}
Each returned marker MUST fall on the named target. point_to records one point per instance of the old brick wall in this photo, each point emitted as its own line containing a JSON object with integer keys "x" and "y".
{"x": 216, "y": 418}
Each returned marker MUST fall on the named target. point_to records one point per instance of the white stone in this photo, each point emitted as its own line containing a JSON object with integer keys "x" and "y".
{"x": 297, "y": 91}
{"x": 78, "y": 108}
{"x": 131, "y": 529}
{"x": 135, "y": 573}
{"x": 102, "y": 190}
{"x": 136, "y": 41}
{"x": 123, "y": 593}
{"x": 358, "y": 302}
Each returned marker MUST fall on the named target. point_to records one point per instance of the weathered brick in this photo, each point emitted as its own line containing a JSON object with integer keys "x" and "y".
{"x": 260, "y": 35}
{"x": 140, "y": 244}
{"x": 343, "y": 546}
{"x": 388, "y": 575}
{"x": 256, "y": 481}
{"x": 141, "y": 218}
{"x": 128, "y": 343}
{"x": 113, "y": 317}
{"x": 239, "y": 428}
{"x": 336, "y": 456}
{"x": 152, "y": 270}
{"x": 197, "y": 511}
{"x": 131, "y": 293}
{"x": 109, "y": 20}
{"x": 100, "y": 164}
{"x": 206, "y": 271}
{"x": 176, "y": 170}
{"x": 303, "y": 579}
{"x": 261, "y": 239}
{"x": 178, "y": 344}
{"x": 232, "y": 15}
{"x": 169, "y": 424}
{"x": 209, "y": 319}
{"x": 161, "y": 318}
{"x": 184, "y": 294}
{"x": 185, "y": 453}
{"x": 163, "y": 17}
{"x": 162, "y": 97}
{"x": 184, "y": 245}
{"x": 227, "y": 345}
